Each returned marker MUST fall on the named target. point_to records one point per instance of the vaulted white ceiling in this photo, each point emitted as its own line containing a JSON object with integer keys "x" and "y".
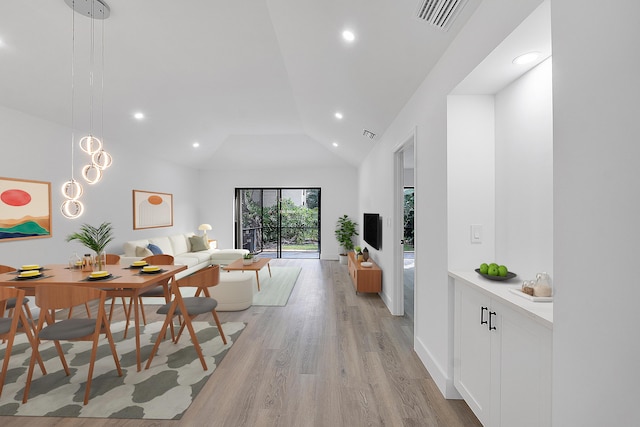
{"x": 244, "y": 77}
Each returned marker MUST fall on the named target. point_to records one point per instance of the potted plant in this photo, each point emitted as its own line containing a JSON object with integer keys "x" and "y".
{"x": 345, "y": 230}
{"x": 247, "y": 259}
{"x": 94, "y": 238}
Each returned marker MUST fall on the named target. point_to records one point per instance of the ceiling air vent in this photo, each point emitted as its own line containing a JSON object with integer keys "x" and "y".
{"x": 439, "y": 13}
{"x": 368, "y": 134}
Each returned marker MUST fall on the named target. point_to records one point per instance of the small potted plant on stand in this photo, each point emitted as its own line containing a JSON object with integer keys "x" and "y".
{"x": 345, "y": 230}
{"x": 247, "y": 259}
{"x": 358, "y": 251}
{"x": 95, "y": 239}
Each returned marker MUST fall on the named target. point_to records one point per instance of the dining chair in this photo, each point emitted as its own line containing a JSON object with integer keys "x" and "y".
{"x": 12, "y": 324}
{"x": 58, "y": 297}
{"x": 113, "y": 259}
{"x": 161, "y": 290}
{"x": 11, "y": 303}
{"x": 201, "y": 279}
{"x": 110, "y": 259}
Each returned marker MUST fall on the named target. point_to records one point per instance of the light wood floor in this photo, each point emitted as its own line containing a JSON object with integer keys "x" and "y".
{"x": 329, "y": 358}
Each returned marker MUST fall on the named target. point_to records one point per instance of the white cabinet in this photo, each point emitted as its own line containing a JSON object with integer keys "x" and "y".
{"x": 502, "y": 359}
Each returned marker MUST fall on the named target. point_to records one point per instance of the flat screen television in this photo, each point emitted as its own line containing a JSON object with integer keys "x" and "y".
{"x": 372, "y": 230}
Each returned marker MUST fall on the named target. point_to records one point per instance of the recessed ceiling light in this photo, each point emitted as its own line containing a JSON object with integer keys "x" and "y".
{"x": 335, "y": 144}
{"x": 196, "y": 144}
{"x": 348, "y": 35}
{"x": 526, "y": 58}
{"x": 338, "y": 115}
{"x": 139, "y": 116}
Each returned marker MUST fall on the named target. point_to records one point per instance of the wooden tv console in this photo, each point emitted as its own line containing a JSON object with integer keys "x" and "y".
{"x": 365, "y": 279}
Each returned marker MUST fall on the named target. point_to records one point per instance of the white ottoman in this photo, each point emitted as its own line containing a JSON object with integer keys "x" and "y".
{"x": 234, "y": 292}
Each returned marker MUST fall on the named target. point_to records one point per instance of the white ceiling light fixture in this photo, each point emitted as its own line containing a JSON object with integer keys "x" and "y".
{"x": 338, "y": 115}
{"x": 138, "y": 116}
{"x": 526, "y": 58}
{"x": 196, "y": 144}
{"x": 348, "y": 36}
{"x": 335, "y": 144}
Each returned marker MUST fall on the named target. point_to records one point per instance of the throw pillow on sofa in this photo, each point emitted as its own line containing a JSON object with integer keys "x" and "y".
{"x": 198, "y": 243}
{"x": 143, "y": 252}
{"x": 154, "y": 249}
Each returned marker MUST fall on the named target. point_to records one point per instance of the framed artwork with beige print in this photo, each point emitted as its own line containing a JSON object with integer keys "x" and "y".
{"x": 152, "y": 209}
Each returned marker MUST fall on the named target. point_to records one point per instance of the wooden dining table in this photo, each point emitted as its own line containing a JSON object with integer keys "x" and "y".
{"x": 124, "y": 281}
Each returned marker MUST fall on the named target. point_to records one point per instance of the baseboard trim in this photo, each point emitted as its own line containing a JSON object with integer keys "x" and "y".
{"x": 440, "y": 377}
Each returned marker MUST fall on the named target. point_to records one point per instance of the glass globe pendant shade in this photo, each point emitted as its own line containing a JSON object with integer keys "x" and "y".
{"x": 91, "y": 173}
{"x": 90, "y": 144}
{"x": 71, "y": 189}
{"x": 101, "y": 159}
{"x": 72, "y": 209}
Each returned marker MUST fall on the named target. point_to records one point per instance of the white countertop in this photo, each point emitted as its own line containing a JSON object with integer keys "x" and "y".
{"x": 541, "y": 312}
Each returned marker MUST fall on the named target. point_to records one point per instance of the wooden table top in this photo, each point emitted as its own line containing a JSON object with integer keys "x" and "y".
{"x": 60, "y": 274}
{"x": 238, "y": 265}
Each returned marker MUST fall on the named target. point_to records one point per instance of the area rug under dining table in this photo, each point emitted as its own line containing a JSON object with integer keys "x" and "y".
{"x": 164, "y": 391}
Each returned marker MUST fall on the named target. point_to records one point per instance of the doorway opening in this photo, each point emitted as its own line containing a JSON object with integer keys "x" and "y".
{"x": 405, "y": 253}
{"x": 408, "y": 271}
{"x": 279, "y": 222}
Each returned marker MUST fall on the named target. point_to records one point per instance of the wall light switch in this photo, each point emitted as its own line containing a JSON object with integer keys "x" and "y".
{"x": 476, "y": 233}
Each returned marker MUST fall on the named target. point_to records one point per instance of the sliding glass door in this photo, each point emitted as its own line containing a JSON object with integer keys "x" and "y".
{"x": 279, "y": 222}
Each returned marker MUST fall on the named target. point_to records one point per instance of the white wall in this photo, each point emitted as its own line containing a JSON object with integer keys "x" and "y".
{"x": 338, "y": 189}
{"x": 500, "y": 176}
{"x": 427, "y": 112}
{"x": 35, "y": 149}
{"x": 596, "y": 348}
{"x": 471, "y": 171}
{"x": 524, "y": 174}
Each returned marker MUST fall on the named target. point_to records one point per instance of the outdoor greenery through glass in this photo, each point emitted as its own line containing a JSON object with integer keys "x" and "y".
{"x": 408, "y": 219}
{"x": 266, "y": 221}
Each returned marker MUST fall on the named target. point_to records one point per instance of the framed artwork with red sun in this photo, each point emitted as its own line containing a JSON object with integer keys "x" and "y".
{"x": 25, "y": 209}
{"x": 152, "y": 210}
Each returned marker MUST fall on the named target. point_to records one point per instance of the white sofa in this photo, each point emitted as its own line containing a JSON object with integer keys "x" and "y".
{"x": 179, "y": 247}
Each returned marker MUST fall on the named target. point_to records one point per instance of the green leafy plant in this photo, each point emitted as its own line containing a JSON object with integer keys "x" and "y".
{"x": 94, "y": 238}
{"x": 248, "y": 256}
{"x": 345, "y": 230}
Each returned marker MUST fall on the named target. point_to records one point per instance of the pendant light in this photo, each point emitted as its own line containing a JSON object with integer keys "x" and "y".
{"x": 90, "y": 144}
{"x": 100, "y": 158}
{"x": 72, "y": 207}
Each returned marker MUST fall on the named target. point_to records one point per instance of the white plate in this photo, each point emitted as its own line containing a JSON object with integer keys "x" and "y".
{"x": 529, "y": 297}
{"x": 366, "y": 264}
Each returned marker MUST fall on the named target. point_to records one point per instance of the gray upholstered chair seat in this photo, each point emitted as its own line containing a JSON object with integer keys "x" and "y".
{"x": 194, "y": 306}
{"x": 158, "y": 291}
{"x": 11, "y": 302}
{"x": 68, "y": 329}
{"x": 5, "y": 325}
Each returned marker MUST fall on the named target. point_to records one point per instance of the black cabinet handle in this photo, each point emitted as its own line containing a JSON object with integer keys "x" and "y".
{"x": 482, "y": 310}
{"x": 491, "y": 327}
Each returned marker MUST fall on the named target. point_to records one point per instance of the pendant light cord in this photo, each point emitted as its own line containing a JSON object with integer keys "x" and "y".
{"x": 73, "y": 56}
{"x": 91, "y": 69}
{"x": 102, "y": 89}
